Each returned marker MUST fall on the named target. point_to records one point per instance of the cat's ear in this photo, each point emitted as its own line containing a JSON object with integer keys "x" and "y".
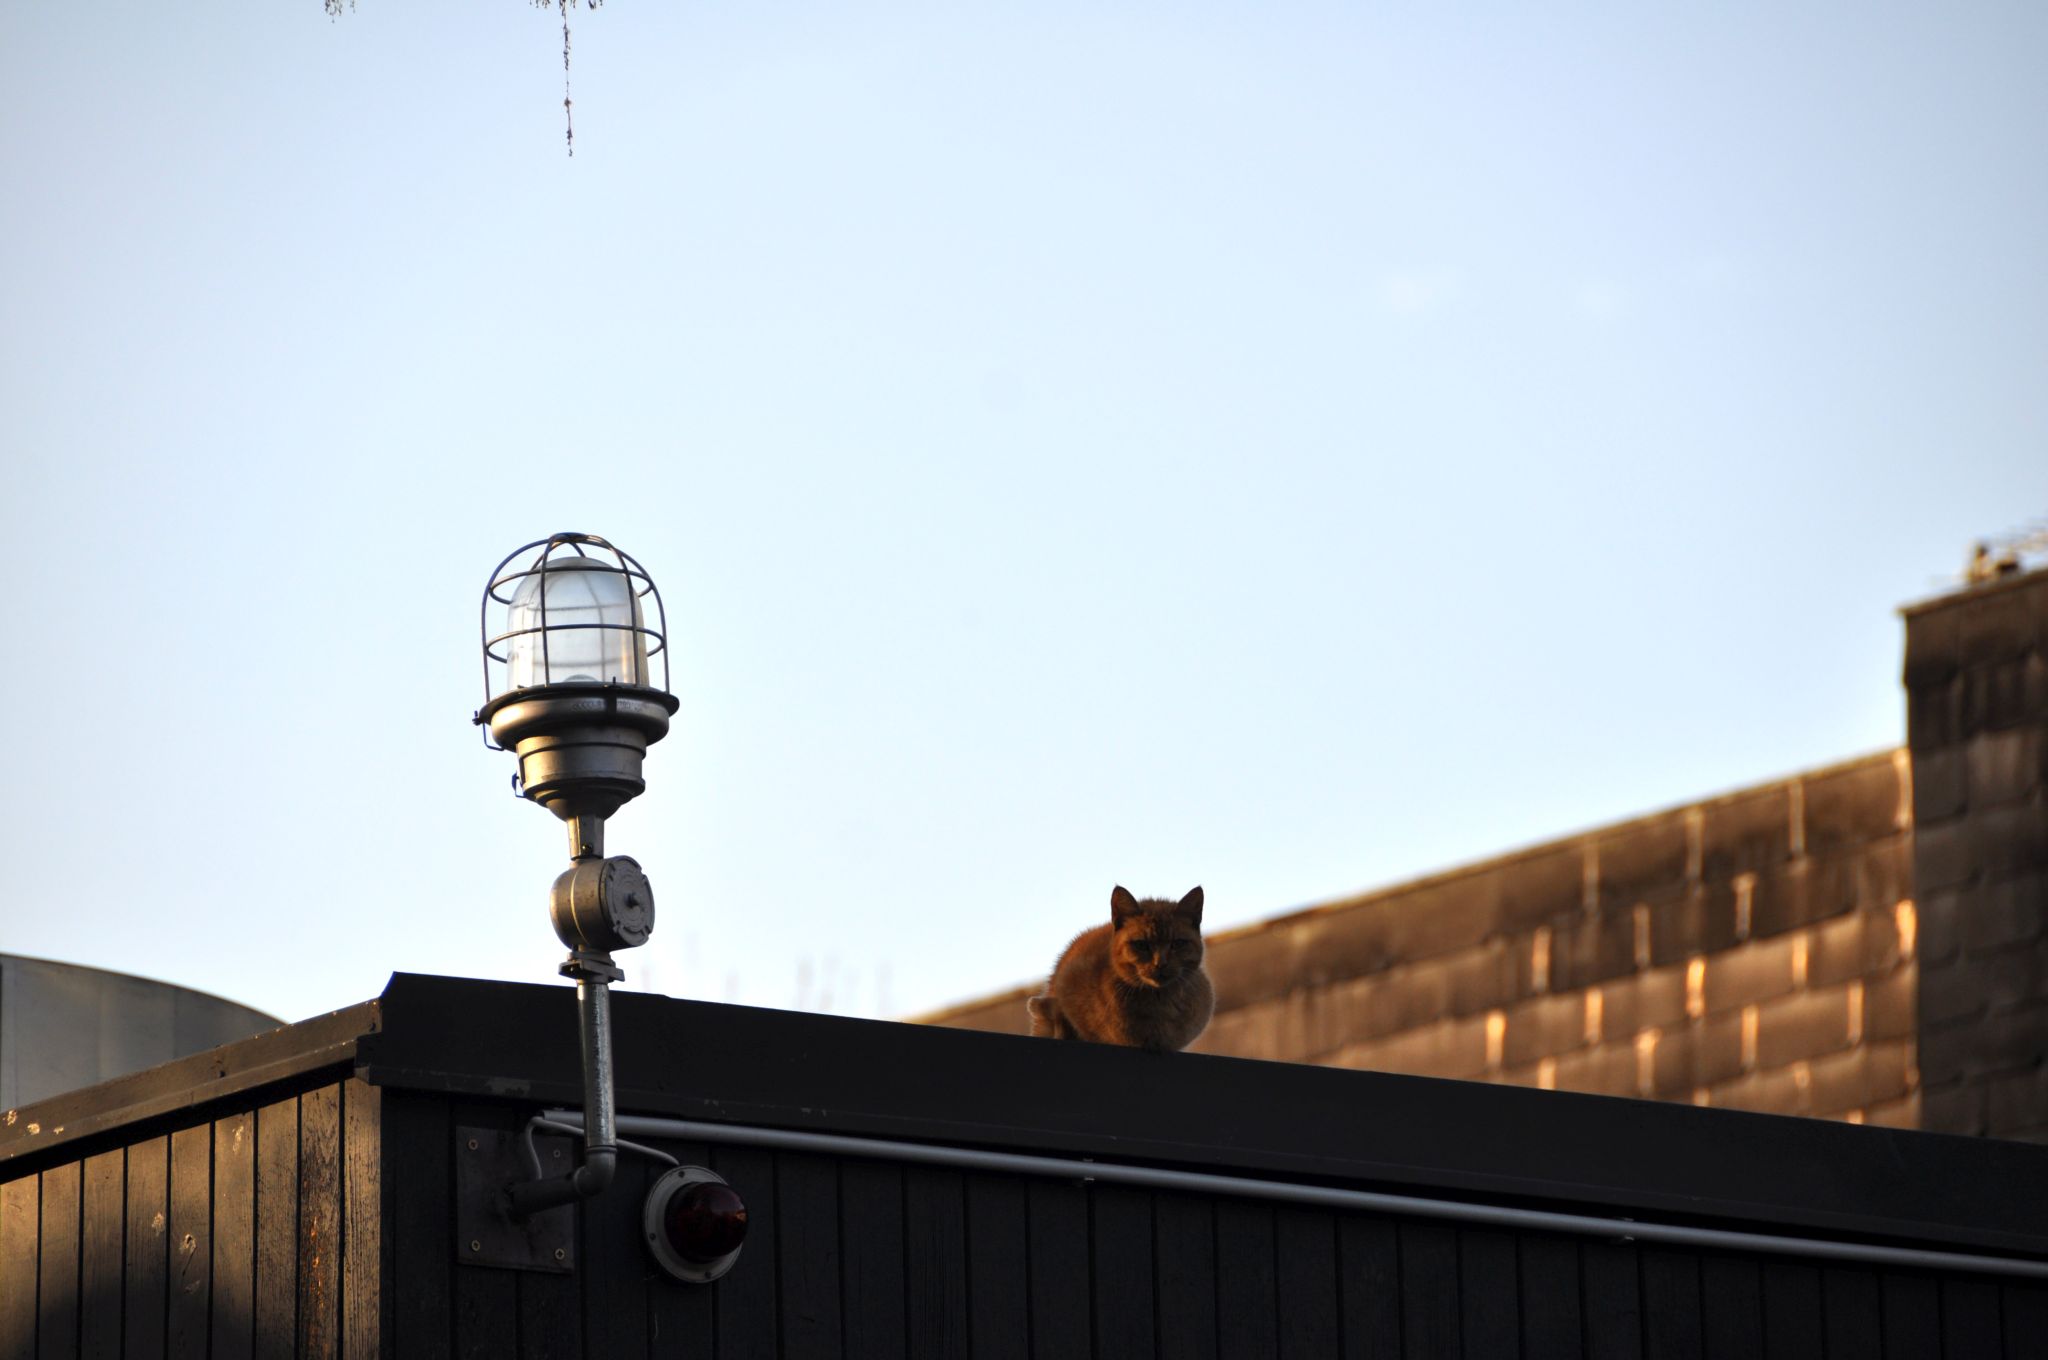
{"x": 1191, "y": 906}
{"x": 1121, "y": 904}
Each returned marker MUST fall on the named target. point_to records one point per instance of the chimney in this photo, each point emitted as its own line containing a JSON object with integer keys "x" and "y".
{"x": 1977, "y": 729}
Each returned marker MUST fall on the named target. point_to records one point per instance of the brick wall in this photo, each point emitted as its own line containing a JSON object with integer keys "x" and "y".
{"x": 1754, "y": 951}
{"x": 1766, "y": 950}
{"x": 1977, "y": 725}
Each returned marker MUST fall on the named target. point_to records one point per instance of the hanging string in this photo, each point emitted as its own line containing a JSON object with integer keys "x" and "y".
{"x": 568, "y": 102}
{"x": 335, "y": 7}
{"x": 568, "y": 117}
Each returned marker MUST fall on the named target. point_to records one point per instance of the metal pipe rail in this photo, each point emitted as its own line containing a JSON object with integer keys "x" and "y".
{"x": 1202, "y": 1182}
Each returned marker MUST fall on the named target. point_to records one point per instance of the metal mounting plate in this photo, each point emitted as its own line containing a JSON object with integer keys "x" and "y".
{"x": 486, "y": 1162}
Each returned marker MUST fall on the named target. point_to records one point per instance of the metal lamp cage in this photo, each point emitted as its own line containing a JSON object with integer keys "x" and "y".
{"x": 593, "y": 554}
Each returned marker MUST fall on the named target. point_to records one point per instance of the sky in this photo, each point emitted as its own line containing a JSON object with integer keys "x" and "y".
{"x": 1286, "y": 448}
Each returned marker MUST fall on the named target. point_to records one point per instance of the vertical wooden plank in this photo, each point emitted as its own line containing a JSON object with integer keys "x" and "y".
{"x": 362, "y": 1221}
{"x": 1793, "y": 1329}
{"x": 191, "y": 1277}
{"x": 2023, "y": 1317}
{"x": 486, "y": 1307}
{"x": 1184, "y": 1250}
{"x": 1247, "y": 1292}
{"x": 1369, "y": 1286}
{"x": 483, "y": 1301}
{"x": 419, "y": 1191}
{"x": 234, "y": 1236}
{"x": 1850, "y": 1311}
{"x": 807, "y": 1230}
{"x": 547, "y": 1309}
{"x": 1612, "y": 1300}
{"x": 613, "y": 1264}
{"x": 550, "y": 1311}
{"x": 1552, "y": 1328}
{"x": 1969, "y": 1319}
{"x": 1732, "y": 1305}
{"x": 1122, "y": 1269}
{"x": 999, "y": 1307}
{"x": 935, "y": 1263}
{"x": 680, "y": 1316}
{"x": 747, "y": 1308}
{"x": 1429, "y": 1290}
{"x": 1305, "y": 1249}
{"x": 275, "y": 1300}
{"x": 1672, "y": 1325}
{"x": 99, "y": 1263}
{"x": 1061, "y": 1276}
{"x": 1911, "y": 1305}
{"x": 319, "y": 1303}
{"x": 1489, "y": 1293}
{"x": 57, "y": 1293}
{"x": 146, "y": 1247}
{"x": 871, "y": 1258}
{"x": 20, "y": 1235}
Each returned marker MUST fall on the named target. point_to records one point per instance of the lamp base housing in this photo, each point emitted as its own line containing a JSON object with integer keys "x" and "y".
{"x": 580, "y": 747}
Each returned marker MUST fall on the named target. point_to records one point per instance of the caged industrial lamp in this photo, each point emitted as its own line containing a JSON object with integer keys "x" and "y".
{"x": 569, "y": 691}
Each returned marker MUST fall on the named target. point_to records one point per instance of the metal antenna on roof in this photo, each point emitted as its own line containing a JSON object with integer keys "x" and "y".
{"x": 2005, "y": 555}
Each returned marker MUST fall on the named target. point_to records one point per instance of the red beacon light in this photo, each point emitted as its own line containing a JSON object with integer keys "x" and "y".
{"x": 694, "y": 1223}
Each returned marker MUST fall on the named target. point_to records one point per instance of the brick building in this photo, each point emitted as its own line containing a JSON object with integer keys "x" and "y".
{"x": 1867, "y": 941}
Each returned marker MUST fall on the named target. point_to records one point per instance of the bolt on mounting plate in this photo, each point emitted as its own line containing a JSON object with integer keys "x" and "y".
{"x": 487, "y": 1161}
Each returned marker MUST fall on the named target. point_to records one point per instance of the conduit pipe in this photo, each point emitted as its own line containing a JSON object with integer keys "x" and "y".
{"x": 600, "y": 1151}
{"x": 1325, "y": 1196}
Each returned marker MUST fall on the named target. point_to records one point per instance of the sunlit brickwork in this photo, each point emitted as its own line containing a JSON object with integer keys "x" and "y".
{"x": 1977, "y": 725}
{"x": 1867, "y": 941}
{"x": 1696, "y": 955}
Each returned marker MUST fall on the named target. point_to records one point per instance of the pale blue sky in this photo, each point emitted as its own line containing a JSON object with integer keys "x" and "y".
{"x": 1286, "y": 448}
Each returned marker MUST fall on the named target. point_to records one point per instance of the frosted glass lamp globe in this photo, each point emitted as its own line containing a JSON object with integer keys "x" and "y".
{"x": 567, "y": 683}
{"x": 576, "y": 623}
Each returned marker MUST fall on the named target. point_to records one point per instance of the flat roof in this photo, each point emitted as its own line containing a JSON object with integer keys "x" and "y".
{"x": 1417, "y": 1135}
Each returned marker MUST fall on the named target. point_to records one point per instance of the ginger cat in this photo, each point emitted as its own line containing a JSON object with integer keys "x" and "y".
{"x": 1136, "y": 981}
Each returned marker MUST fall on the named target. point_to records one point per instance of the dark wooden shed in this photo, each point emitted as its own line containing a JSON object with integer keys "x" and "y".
{"x": 312, "y": 1191}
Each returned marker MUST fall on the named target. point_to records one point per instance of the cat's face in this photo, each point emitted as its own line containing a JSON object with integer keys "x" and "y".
{"x": 1155, "y": 943}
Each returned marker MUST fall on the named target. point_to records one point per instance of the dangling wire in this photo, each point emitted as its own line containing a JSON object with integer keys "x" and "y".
{"x": 568, "y": 103}
{"x": 335, "y": 7}
{"x": 568, "y": 117}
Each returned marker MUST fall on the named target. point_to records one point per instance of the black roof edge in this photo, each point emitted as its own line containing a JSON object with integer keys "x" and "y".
{"x": 1414, "y": 1135}
{"x": 518, "y": 1043}
{"x": 263, "y": 1060}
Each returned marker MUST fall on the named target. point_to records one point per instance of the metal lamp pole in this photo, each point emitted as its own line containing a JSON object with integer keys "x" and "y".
{"x": 569, "y": 691}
